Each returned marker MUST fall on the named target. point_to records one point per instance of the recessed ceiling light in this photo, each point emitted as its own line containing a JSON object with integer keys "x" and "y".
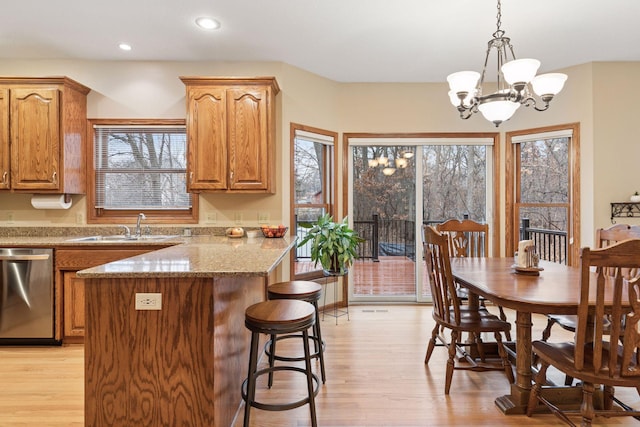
{"x": 125, "y": 46}
{"x": 207, "y": 23}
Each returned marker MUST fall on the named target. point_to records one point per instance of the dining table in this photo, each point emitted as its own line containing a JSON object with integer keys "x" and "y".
{"x": 554, "y": 290}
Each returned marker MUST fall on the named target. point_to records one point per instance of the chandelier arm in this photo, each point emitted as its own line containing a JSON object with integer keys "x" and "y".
{"x": 466, "y": 112}
{"x": 532, "y": 102}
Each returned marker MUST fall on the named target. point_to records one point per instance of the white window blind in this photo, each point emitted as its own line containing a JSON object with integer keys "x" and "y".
{"x": 314, "y": 137}
{"x": 141, "y": 167}
{"x": 530, "y": 137}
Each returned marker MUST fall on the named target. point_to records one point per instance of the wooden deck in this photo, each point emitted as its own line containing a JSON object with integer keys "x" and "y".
{"x": 391, "y": 276}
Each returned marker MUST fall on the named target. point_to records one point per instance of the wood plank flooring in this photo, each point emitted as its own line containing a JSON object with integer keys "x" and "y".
{"x": 375, "y": 377}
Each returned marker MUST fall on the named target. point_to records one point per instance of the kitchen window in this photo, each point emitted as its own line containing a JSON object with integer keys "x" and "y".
{"x": 139, "y": 166}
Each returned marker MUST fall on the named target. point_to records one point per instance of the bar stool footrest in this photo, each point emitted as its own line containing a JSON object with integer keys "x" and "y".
{"x": 280, "y": 406}
{"x": 314, "y": 355}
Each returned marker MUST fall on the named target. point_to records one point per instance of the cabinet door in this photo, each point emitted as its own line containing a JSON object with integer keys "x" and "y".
{"x": 35, "y": 138}
{"x": 248, "y": 133}
{"x": 73, "y": 306}
{"x": 5, "y": 165}
{"x": 207, "y": 129}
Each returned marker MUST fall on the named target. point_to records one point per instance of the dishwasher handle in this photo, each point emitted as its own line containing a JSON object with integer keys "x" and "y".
{"x": 34, "y": 257}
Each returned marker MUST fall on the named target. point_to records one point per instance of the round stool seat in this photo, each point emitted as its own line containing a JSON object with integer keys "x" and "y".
{"x": 280, "y": 316}
{"x": 296, "y": 289}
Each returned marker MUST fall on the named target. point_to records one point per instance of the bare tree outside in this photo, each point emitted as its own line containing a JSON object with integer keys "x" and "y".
{"x": 142, "y": 169}
{"x": 544, "y": 183}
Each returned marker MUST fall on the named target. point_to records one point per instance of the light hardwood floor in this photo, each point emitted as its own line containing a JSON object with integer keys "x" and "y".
{"x": 375, "y": 377}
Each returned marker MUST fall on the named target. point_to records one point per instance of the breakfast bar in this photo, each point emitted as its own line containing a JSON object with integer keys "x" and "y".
{"x": 165, "y": 340}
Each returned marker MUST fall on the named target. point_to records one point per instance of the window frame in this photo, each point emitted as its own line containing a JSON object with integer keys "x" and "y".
{"x": 329, "y": 188}
{"x": 106, "y": 216}
{"x": 512, "y": 196}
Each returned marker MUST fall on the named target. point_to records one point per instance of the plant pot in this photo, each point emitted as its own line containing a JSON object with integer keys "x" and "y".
{"x": 635, "y": 199}
{"x": 335, "y": 272}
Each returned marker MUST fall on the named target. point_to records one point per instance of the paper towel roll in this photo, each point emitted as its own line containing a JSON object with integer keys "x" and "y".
{"x": 50, "y": 201}
{"x": 522, "y": 253}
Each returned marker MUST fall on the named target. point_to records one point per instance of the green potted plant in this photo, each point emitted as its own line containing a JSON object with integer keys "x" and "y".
{"x": 333, "y": 244}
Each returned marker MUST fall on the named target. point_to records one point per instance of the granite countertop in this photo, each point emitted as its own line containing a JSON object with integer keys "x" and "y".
{"x": 201, "y": 256}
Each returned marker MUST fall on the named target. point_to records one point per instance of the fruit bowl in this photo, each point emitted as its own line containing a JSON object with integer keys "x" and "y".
{"x": 274, "y": 231}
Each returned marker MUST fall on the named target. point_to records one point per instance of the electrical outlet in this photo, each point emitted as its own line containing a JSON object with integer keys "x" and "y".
{"x": 263, "y": 217}
{"x": 148, "y": 301}
{"x": 79, "y": 218}
{"x": 10, "y": 218}
{"x": 237, "y": 218}
{"x": 211, "y": 218}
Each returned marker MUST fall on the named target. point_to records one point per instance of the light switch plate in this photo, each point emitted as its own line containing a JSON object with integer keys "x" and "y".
{"x": 148, "y": 301}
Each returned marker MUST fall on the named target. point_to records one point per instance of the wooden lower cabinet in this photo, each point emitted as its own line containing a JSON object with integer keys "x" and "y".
{"x": 73, "y": 292}
{"x": 68, "y": 262}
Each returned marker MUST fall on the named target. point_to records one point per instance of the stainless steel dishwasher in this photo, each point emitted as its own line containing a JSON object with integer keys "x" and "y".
{"x": 26, "y": 296}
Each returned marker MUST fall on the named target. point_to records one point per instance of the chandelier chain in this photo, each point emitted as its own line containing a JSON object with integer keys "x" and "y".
{"x": 499, "y": 32}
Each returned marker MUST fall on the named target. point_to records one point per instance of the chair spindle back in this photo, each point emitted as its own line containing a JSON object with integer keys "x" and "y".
{"x": 616, "y": 296}
{"x": 443, "y": 288}
{"x": 467, "y": 238}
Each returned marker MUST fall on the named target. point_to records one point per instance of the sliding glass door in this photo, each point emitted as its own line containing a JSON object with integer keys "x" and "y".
{"x": 397, "y": 185}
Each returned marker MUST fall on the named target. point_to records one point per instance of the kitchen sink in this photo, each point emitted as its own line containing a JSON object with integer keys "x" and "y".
{"x": 122, "y": 238}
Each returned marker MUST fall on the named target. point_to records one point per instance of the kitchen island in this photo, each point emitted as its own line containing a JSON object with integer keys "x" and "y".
{"x": 165, "y": 341}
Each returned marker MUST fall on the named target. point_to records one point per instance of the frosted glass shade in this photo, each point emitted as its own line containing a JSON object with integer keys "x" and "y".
{"x": 498, "y": 111}
{"x": 520, "y": 70}
{"x": 548, "y": 84}
{"x": 388, "y": 171}
{"x": 463, "y": 81}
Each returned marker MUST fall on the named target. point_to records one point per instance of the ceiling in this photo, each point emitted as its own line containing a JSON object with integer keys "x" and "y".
{"x": 343, "y": 40}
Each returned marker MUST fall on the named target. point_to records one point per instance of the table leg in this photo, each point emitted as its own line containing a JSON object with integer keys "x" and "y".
{"x": 516, "y": 402}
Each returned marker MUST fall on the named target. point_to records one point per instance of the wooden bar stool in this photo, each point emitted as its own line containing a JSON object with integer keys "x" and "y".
{"x": 301, "y": 290}
{"x": 277, "y": 317}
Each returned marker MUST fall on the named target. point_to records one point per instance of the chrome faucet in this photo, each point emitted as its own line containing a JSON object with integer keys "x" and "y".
{"x": 127, "y": 232}
{"x": 141, "y": 216}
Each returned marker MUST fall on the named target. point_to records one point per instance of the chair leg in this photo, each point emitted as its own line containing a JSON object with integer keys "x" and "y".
{"x": 608, "y": 397}
{"x": 477, "y": 338}
{"x": 587, "y": 410}
{"x": 251, "y": 379}
{"x": 432, "y": 344}
{"x": 307, "y": 361}
{"x": 272, "y": 359}
{"x": 536, "y": 389}
{"x": 546, "y": 333}
{"x": 451, "y": 362}
{"x": 503, "y": 317}
{"x": 505, "y": 358}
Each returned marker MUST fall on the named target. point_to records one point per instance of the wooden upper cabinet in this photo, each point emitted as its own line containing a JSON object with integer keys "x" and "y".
{"x": 206, "y": 132}
{"x": 43, "y": 130}
{"x": 231, "y": 131}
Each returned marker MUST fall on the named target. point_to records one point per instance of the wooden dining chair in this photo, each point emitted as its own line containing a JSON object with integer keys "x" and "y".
{"x": 595, "y": 357}
{"x": 449, "y": 314}
{"x": 468, "y": 238}
{"x": 604, "y": 237}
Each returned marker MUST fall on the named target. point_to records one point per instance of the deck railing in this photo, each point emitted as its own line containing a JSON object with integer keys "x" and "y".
{"x": 397, "y": 238}
{"x": 551, "y": 245}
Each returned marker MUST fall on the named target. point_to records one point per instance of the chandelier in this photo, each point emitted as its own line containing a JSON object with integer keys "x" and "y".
{"x": 516, "y": 84}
